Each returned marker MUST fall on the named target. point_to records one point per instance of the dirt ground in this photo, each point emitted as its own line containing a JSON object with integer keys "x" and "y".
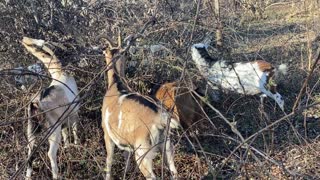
{"x": 286, "y": 35}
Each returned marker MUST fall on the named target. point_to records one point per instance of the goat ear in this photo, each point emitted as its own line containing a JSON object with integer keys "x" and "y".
{"x": 154, "y": 88}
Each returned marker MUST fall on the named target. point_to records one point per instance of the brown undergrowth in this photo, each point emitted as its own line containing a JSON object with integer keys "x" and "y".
{"x": 288, "y": 149}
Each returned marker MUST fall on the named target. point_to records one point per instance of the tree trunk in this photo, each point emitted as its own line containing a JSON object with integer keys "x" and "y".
{"x": 218, "y": 24}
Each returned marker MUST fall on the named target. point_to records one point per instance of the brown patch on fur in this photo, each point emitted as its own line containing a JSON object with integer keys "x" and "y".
{"x": 264, "y": 66}
{"x": 185, "y": 107}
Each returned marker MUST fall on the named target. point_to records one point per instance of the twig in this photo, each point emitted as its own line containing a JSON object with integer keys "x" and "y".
{"x": 317, "y": 58}
{"x": 195, "y": 20}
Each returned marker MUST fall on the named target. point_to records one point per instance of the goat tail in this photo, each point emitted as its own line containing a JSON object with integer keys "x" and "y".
{"x": 282, "y": 69}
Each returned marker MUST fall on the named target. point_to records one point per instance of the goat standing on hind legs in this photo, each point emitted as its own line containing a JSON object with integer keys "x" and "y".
{"x": 132, "y": 122}
{"x": 58, "y": 102}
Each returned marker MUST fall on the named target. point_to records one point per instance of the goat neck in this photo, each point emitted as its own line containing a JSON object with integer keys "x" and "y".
{"x": 115, "y": 66}
{"x": 44, "y": 54}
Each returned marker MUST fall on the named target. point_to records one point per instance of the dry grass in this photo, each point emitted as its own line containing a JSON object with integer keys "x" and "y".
{"x": 281, "y": 37}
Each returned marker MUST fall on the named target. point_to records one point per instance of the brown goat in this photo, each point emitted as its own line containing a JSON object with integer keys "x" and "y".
{"x": 132, "y": 122}
{"x": 186, "y": 106}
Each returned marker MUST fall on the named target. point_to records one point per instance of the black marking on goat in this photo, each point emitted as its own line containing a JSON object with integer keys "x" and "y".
{"x": 270, "y": 84}
{"x": 154, "y": 90}
{"x": 143, "y": 101}
{"x": 46, "y": 92}
{"x": 30, "y": 160}
{"x": 120, "y": 86}
{"x": 205, "y": 55}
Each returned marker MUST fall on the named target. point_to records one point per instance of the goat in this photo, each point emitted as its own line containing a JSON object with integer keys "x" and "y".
{"x": 186, "y": 107}
{"x": 57, "y": 102}
{"x": 131, "y": 121}
{"x": 248, "y": 78}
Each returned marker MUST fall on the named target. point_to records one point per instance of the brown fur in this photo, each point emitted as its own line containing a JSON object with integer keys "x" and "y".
{"x": 267, "y": 67}
{"x": 46, "y": 55}
{"x": 184, "y": 105}
{"x": 141, "y": 129}
{"x": 264, "y": 66}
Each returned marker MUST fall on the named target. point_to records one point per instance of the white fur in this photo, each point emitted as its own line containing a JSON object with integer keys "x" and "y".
{"x": 112, "y": 136}
{"x": 121, "y": 98}
{"x": 69, "y": 85}
{"x": 283, "y": 68}
{"x": 228, "y": 77}
{"x": 120, "y": 120}
{"x": 38, "y": 42}
{"x": 243, "y": 78}
{"x": 65, "y": 91}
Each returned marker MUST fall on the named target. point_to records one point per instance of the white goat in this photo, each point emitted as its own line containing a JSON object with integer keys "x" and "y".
{"x": 58, "y": 102}
{"x": 133, "y": 122}
{"x": 248, "y": 78}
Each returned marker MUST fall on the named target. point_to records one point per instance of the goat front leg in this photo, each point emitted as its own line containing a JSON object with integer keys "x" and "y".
{"x": 262, "y": 96}
{"x": 127, "y": 157}
{"x": 144, "y": 157}
{"x": 169, "y": 157}
{"x": 65, "y": 136}
{"x": 74, "y": 132}
{"x": 110, "y": 151}
{"x": 31, "y": 142}
{"x": 54, "y": 141}
{"x": 74, "y": 120}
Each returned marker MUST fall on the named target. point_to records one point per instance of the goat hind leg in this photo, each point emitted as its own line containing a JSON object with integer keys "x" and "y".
{"x": 31, "y": 142}
{"x": 74, "y": 132}
{"x": 75, "y": 128}
{"x": 262, "y": 97}
{"x": 110, "y": 151}
{"x": 65, "y": 134}
{"x": 169, "y": 157}
{"x": 54, "y": 141}
{"x": 144, "y": 157}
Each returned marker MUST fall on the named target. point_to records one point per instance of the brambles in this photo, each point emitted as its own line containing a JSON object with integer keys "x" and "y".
{"x": 275, "y": 37}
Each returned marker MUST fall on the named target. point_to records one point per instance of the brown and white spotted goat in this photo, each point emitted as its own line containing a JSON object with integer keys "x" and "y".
{"x": 57, "y": 102}
{"x": 132, "y": 122}
{"x": 247, "y": 78}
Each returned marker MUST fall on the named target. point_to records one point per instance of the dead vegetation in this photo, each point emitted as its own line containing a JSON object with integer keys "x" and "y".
{"x": 241, "y": 142}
